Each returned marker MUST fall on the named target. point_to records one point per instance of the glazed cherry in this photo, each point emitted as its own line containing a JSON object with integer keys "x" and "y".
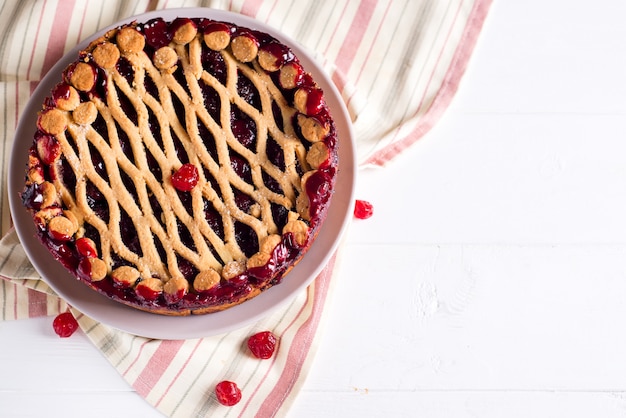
{"x": 262, "y": 344}
{"x": 208, "y": 27}
{"x": 185, "y": 178}
{"x": 272, "y": 56}
{"x": 157, "y": 33}
{"x": 179, "y": 22}
{"x": 48, "y": 148}
{"x": 65, "y": 324}
{"x": 61, "y": 91}
{"x": 228, "y": 393}
{"x": 315, "y": 101}
{"x": 86, "y": 247}
{"x": 363, "y": 209}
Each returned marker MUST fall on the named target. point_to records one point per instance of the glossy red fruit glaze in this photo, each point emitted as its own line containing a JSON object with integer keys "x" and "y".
{"x": 248, "y": 34}
{"x": 363, "y": 209}
{"x": 61, "y": 91}
{"x": 185, "y": 178}
{"x": 307, "y": 80}
{"x": 84, "y": 269}
{"x": 291, "y": 75}
{"x": 228, "y": 393}
{"x": 241, "y": 167}
{"x": 157, "y": 33}
{"x": 58, "y": 236}
{"x": 48, "y": 148}
{"x": 244, "y": 131}
{"x": 172, "y": 298}
{"x": 319, "y": 188}
{"x": 84, "y": 246}
{"x": 65, "y": 324}
{"x": 145, "y": 293}
{"x": 314, "y": 102}
{"x": 280, "y": 52}
{"x": 69, "y": 71}
{"x": 262, "y": 344}
{"x": 211, "y": 27}
{"x": 179, "y": 22}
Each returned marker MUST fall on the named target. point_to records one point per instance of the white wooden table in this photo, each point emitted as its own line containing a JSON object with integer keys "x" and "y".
{"x": 491, "y": 281}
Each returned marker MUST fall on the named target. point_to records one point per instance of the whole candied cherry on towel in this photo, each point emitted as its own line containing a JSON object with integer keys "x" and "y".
{"x": 228, "y": 393}
{"x": 363, "y": 209}
{"x": 65, "y": 324}
{"x": 262, "y": 344}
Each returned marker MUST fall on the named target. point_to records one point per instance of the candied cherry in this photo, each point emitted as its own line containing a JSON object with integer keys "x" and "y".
{"x": 209, "y": 26}
{"x": 65, "y": 324}
{"x": 228, "y": 393}
{"x": 262, "y": 344}
{"x": 363, "y": 209}
{"x": 157, "y": 33}
{"x": 185, "y": 178}
{"x": 272, "y": 56}
{"x": 48, "y": 148}
{"x": 315, "y": 101}
{"x": 86, "y": 247}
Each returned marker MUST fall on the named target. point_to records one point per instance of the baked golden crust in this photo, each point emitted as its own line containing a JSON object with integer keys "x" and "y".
{"x": 185, "y": 174}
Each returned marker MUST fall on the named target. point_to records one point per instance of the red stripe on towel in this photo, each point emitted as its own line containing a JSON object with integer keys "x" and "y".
{"x": 37, "y": 303}
{"x": 353, "y": 40}
{"x": 300, "y": 346}
{"x": 449, "y": 85}
{"x": 158, "y": 363}
{"x": 58, "y": 36}
{"x": 251, "y": 7}
{"x": 179, "y": 372}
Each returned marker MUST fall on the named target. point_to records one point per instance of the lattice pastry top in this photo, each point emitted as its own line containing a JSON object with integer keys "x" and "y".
{"x": 182, "y": 167}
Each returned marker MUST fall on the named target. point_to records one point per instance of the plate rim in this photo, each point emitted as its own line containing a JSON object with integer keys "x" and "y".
{"x": 34, "y": 250}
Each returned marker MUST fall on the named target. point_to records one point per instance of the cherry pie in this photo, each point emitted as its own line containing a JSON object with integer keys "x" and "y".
{"x": 182, "y": 167}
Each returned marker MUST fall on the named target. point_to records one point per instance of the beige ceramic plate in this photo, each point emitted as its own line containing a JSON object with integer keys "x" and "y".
{"x": 140, "y": 323}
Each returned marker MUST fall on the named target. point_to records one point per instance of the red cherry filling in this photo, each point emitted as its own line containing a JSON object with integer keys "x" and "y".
{"x": 179, "y": 22}
{"x": 65, "y": 324}
{"x": 227, "y": 393}
{"x": 318, "y": 188}
{"x": 314, "y": 101}
{"x": 48, "y": 148}
{"x": 363, "y": 209}
{"x": 244, "y": 131}
{"x": 273, "y": 55}
{"x": 32, "y": 196}
{"x": 147, "y": 293}
{"x": 85, "y": 247}
{"x": 209, "y": 27}
{"x": 241, "y": 167}
{"x": 157, "y": 33}
{"x": 185, "y": 178}
{"x": 60, "y": 93}
{"x": 262, "y": 344}
{"x": 59, "y": 236}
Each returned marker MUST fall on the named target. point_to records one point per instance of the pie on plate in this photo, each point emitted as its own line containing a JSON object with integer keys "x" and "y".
{"x": 182, "y": 166}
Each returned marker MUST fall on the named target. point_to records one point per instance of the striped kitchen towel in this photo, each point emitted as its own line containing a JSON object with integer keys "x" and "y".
{"x": 397, "y": 64}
